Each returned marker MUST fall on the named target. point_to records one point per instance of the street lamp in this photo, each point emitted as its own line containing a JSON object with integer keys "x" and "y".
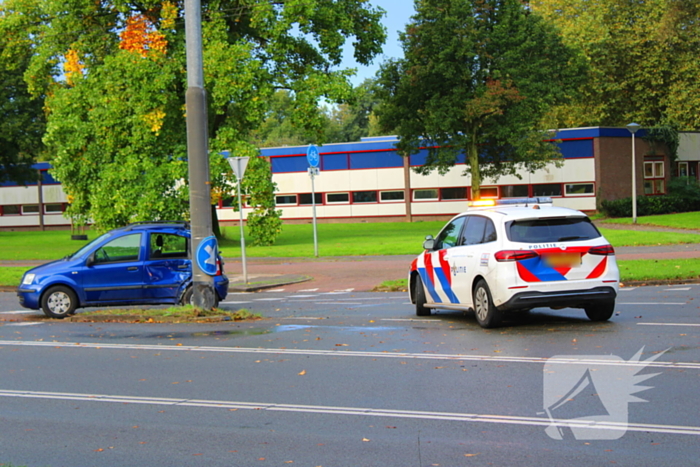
{"x": 633, "y": 127}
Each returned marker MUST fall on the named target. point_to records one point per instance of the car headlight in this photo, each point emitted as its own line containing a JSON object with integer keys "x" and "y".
{"x": 28, "y": 279}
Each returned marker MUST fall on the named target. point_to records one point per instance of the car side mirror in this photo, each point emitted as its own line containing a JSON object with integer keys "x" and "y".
{"x": 90, "y": 260}
{"x": 429, "y": 243}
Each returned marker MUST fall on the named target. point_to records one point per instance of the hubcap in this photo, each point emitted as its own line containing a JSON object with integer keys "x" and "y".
{"x": 59, "y": 302}
{"x": 481, "y": 303}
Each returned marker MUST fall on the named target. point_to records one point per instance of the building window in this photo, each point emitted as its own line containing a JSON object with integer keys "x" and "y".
{"x": 305, "y": 198}
{"x": 577, "y": 189}
{"x": 397, "y": 195}
{"x": 226, "y": 202}
{"x": 364, "y": 197}
{"x": 11, "y": 210}
{"x": 654, "y": 182}
{"x": 682, "y": 169}
{"x": 285, "y": 199}
{"x": 454, "y": 193}
{"x": 423, "y": 195}
{"x": 53, "y": 208}
{"x": 337, "y": 198}
{"x": 30, "y": 209}
{"x": 514, "y": 191}
{"x": 489, "y": 192}
{"x": 546, "y": 189}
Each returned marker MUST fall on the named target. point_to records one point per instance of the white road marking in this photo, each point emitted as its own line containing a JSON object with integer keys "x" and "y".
{"x": 649, "y": 303}
{"x": 679, "y": 289}
{"x": 308, "y": 290}
{"x": 302, "y": 296}
{"x": 628, "y": 289}
{"x": 22, "y": 324}
{"x": 18, "y": 312}
{"x": 338, "y": 303}
{"x": 360, "y": 411}
{"x": 268, "y": 299}
{"x": 275, "y": 290}
{"x": 234, "y": 303}
{"x": 411, "y": 319}
{"x": 668, "y": 324}
{"x": 304, "y": 317}
{"x": 347, "y": 353}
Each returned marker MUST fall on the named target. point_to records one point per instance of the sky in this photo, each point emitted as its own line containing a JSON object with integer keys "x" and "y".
{"x": 398, "y": 14}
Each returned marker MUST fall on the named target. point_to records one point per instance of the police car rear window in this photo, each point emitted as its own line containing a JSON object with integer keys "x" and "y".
{"x": 551, "y": 230}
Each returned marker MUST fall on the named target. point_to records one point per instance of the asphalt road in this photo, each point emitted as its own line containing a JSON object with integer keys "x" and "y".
{"x": 356, "y": 379}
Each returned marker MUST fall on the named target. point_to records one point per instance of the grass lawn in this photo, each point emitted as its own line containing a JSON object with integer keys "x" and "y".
{"x": 296, "y": 240}
{"x": 395, "y": 239}
{"x": 683, "y": 220}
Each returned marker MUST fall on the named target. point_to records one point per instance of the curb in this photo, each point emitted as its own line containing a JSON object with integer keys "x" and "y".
{"x": 285, "y": 279}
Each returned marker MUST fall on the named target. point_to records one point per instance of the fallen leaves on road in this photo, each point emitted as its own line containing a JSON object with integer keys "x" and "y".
{"x": 302, "y": 372}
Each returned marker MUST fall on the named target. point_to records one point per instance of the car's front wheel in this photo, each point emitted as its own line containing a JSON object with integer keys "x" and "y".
{"x": 188, "y": 297}
{"x": 58, "y": 302}
{"x": 487, "y": 315}
{"x": 419, "y": 294}
{"x": 601, "y": 311}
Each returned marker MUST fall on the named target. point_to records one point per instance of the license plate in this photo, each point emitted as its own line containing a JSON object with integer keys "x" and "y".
{"x": 563, "y": 260}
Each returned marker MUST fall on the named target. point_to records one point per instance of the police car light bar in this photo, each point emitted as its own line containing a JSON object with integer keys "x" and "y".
{"x": 510, "y": 202}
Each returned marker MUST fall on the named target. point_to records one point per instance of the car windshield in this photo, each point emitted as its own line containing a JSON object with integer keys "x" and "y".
{"x": 88, "y": 246}
{"x": 552, "y": 230}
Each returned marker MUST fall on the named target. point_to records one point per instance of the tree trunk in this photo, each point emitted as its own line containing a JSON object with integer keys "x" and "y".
{"x": 473, "y": 160}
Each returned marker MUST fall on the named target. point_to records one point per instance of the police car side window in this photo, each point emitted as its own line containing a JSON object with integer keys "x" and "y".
{"x": 490, "y": 232}
{"x": 450, "y": 235}
{"x": 474, "y": 232}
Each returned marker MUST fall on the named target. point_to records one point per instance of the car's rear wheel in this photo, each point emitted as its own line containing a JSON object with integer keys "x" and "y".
{"x": 600, "y": 311}
{"x": 58, "y": 302}
{"x": 487, "y": 315}
{"x": 419, "y": 294}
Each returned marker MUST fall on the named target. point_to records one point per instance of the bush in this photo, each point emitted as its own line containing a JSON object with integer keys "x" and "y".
{"x": 687, "y": 187}
{"x": 651, "y": 205}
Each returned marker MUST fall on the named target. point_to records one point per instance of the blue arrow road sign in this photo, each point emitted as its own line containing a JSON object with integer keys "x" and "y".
{"x": 312, "y": 155}
{"x": 206, "y": 255}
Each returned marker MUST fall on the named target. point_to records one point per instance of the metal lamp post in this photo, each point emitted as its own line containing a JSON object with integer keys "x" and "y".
{"x": 633, "y": 127}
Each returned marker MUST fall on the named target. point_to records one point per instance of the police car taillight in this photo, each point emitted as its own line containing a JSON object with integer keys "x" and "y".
{"x": 604, "y": 250}
{"x": 514, "y": 255}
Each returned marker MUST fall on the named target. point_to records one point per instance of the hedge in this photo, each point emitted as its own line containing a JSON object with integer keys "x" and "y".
{"x": 650, "y": 205}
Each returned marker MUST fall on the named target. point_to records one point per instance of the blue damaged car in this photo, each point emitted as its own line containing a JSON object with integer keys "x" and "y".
{"x": 140, "y": 264}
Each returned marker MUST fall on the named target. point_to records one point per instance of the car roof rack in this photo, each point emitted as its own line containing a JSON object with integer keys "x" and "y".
{"x": 133, "y": 225}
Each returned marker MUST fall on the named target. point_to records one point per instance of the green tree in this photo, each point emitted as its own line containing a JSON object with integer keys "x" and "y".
{"x": 351, "y": 121}
{"x": 114, "y": 74}
{"x": 643, "y": 60}
{"x": 22, "y": 119}
{"x": 477, "y": 78}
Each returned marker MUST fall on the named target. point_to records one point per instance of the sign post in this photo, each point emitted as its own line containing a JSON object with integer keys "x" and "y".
{"x": 239, "y": 164}
{"x": 313, "y": 157}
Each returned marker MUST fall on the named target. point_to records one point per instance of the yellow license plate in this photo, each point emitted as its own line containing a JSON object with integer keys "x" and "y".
{"x": 563, "y": 260}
